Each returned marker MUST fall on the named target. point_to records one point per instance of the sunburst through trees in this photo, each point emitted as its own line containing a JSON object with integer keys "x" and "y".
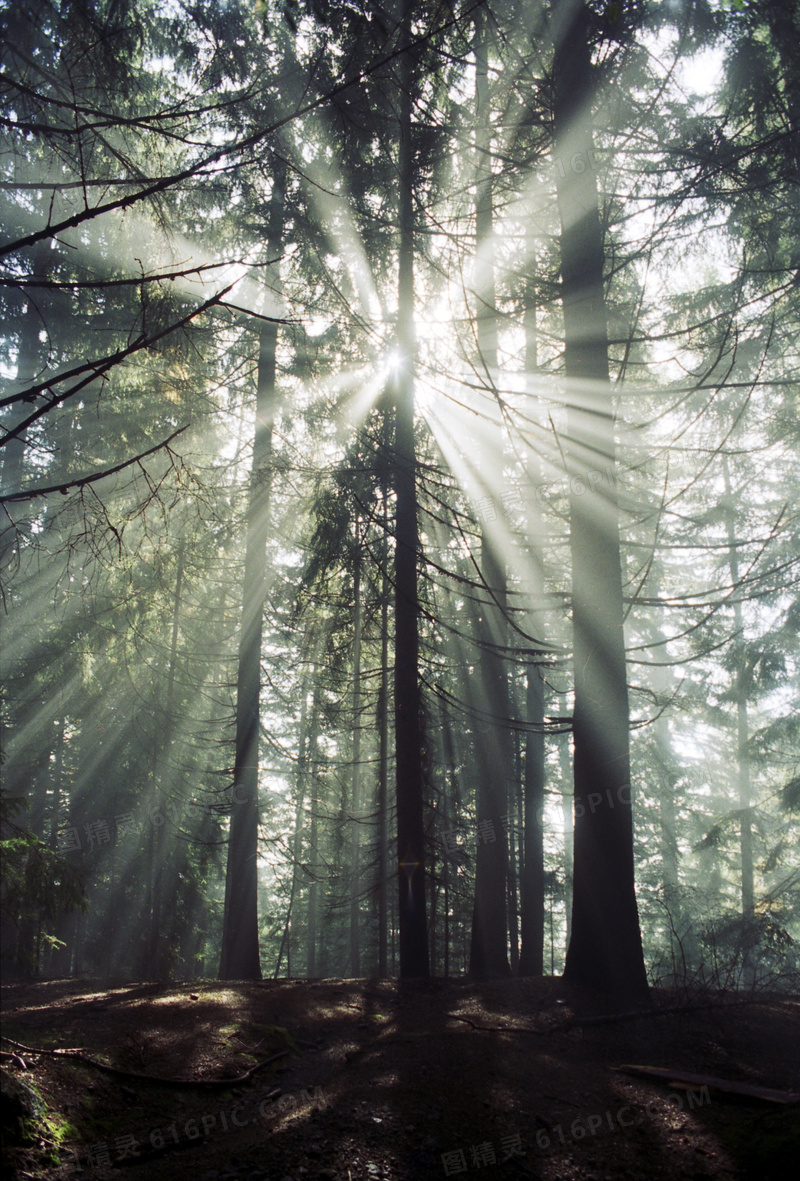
{"x": 399, "y": 459}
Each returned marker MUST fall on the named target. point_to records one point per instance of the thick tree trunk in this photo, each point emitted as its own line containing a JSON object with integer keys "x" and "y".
{"x": 383, "y": 758}
{"x": 408, "y": 736}
{"x": 489, "y": 942}
{"x": 605, "y": 949}
{"x": 158, "y": 951}
{"x": 355, "y": 807}
{"x": 515, "y": 859}
{"x": 313, "y": 836}
{"x": 240, "y": 958}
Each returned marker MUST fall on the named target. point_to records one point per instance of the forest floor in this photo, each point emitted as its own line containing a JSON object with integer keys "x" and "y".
{"x": 395, "y": 1080}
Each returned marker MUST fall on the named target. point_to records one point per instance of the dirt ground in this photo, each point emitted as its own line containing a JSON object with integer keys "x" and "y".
{"x": 395, "y": 1080}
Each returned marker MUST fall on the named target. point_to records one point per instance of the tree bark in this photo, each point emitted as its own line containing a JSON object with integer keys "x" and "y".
{"x": 568, "y": 816}
{"x": 515, "y": 858}
{"x": 157, "y": 957}
{"x": 532, "y": 882}
{"x": 667, "y": 819}
{"x": 355, "y": 809}
{"x": 408, "y": 735}
{"x": 240, "y": 957}
{"x": 489, "y": 941}
{"x": 297, "y": 841}
{"x": 605, "y": 949}
{"x": 383, "y": 756}
{"x": 742, "y": 722}
{"x": 313, "y": 856}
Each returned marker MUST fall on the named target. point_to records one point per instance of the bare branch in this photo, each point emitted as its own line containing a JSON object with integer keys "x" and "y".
{"x": 31, "y": 493}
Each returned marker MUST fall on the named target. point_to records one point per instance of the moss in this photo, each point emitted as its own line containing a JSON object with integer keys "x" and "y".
{"x": 22, "y": 1108}
{"x": 61, "y": 1129}
{"x": 29, "y": 1124}
{"x": 276, "y": 1033}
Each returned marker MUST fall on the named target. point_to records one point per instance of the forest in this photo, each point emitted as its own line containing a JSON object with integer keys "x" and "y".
{"x": 399, "y": 528}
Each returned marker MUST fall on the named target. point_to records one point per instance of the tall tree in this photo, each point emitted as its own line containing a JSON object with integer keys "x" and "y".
{"x": 383, "y": 732}
{"x": 532, "y": 877}
{"x": 489, "y": 942}
{"x": 240, "y": 955}
{"x": 605, "y": 949}
{"x": 408, "y": 732}
{"x": 355, "y": 806}
{"x": 740, "y": 696}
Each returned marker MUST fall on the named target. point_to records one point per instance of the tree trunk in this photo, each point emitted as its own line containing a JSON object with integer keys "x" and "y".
{"x": 568, "y": 816}
{"x": 450, "y": 762}
{"x": 742, "y": 722}
{"x": 240, "y": 958}
{"x": 297, "y": 842}
{"x": 489, "y": 942}
{"x": 383, "y": 757}
{"x": 532, "y": 881}
{"x": 157, "y": 953}
{"x": 662, "y": 685}
{"x": 12, "y": 451}
{"x": 605, "y": 949}
{"x": 408, "y": 737}
{"x": 29, "y": 359}
{"x": 515, "y": 860}
{"x": 313, "y": 857}
{"x": 355, "y": 807}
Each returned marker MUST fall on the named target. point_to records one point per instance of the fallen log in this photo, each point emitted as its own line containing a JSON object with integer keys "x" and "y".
{"x": 684, "y": 1079}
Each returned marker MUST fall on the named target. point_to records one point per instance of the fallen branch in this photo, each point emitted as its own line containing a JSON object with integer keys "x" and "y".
{"x": 14, "y": 1058}
{"x": 681, "y": 1078}
{"x": 608, "y": 1018}
{"x": 497, "y": 1028}
{"x": 151, "y": 1078}
{"x": 603, "y": 1018}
